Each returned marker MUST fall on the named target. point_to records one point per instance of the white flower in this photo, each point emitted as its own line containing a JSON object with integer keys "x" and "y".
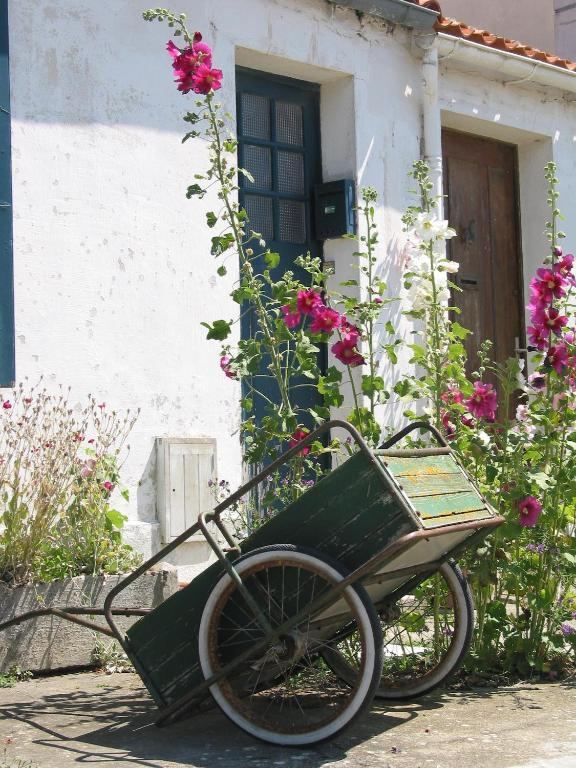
{"x": 448, "y": 266}
{"x": 483, "y": 438}
{"x": 429, "y": 227}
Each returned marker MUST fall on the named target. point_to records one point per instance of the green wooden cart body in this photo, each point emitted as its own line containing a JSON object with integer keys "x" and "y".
{"x": 402, "y": 511}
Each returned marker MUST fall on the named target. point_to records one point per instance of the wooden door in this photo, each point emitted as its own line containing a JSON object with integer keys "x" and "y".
{"x": 481, "y": 203}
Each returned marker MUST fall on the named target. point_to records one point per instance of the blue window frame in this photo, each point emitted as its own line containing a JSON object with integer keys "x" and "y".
{"x": 7, "y": 361}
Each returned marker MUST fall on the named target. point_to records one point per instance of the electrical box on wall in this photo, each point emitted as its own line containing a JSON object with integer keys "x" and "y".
{"x": 334, "y": 213}
{"x": 184, "y": 468}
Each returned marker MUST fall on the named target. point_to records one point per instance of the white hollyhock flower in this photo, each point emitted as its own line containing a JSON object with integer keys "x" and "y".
{"x": 448, "y": 266}
{"x": 429, "y": 227}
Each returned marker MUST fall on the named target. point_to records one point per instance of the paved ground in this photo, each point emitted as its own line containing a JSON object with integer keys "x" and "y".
{"x": 100, "y": 720}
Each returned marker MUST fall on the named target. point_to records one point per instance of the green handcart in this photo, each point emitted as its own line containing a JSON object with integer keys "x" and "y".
{"x": 350, "y": 592}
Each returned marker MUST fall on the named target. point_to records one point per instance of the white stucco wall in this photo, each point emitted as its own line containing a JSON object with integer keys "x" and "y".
{"x": 112, "y": 267}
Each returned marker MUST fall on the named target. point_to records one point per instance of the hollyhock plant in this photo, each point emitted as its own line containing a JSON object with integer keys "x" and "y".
{"x": 225, "y": 365}
{"x": 529, "y": 510}
{"x": 483, "y": 402}
{"x": 346, "y": 353}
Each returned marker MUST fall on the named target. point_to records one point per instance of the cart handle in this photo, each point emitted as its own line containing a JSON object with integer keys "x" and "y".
{"x": 439, "y": 437}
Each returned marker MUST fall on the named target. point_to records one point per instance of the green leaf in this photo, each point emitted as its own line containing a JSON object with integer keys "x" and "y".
{"x": 125, "y": 493}
{"x": 211, "y": 219}
{"x": 272, "y": 259}
{"x": 115, "y": 518}
{"x": 491, "y": 473}
{"x": 219, "y": 330}
{"x": 389, "y": 327}
{"x": 221, "y": 270}
{"x": 221, "y": 243}
{"x": 459, "y": 331}
{"x": 195, "y": 189}
{"x": 372, "y": 385}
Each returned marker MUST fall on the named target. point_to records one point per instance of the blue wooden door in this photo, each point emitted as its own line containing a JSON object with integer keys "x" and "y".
{"x": 279, "y": 144}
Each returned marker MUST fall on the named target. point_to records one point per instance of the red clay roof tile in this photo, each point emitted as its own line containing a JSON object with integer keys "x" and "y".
{"x": 490, "y": 40}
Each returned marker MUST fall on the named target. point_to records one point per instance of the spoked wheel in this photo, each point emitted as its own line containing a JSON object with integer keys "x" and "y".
{"x": 283, "y": 692}
{"x": 426, "y": 636}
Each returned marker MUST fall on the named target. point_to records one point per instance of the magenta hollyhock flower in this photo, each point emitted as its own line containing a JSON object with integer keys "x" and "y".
{"x": 549, "y": 284}
{"x": 108, "y": 486}
{"x": 206, "y": 79}
{"x": 529, "y": 509}
{"x": 324, "y": 320}
{"x": 550, "y": 319}
{"x": 346, "y": 353}
{"x": 297, "y": 436}
{"x": 291, "y": 317}
{"x": 225, "y": 361}
{"x": 378, "y": 300}
{"x": 557, "y": 358}
{"x": 538, "y": 336}
{"x": 537, "y": 381}
{"x": 483, "y": 402}
{"x": 307, "y": 301}
{"x": 468, "y": 420}
{"x": 6, "y": 405}
{"x": 449, "y": 426}
{"x": 452, "y": 395}
{"x": 565, "y": 266}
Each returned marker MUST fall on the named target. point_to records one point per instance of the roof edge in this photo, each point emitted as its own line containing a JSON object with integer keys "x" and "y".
{"x": 402, "y": 12}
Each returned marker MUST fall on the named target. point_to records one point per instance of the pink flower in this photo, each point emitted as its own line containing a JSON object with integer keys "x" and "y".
{"x": 468, "y": 420}
{"x": 449, "y": 426}
{"x": 291, "y": 317}
{"x": 225, "y": 361}
{"x": 549, "y": 285}
{"x": 6, "y": 405}
{"x": 347, "y": 353}
{"x": 557, "y": 358}
{"x": 377, "y": 300}
{"x": 308, "y": 301}
{"x": 324, "y": 320}
{"x": 297, "y": 436}
{"x": 452, "y": 395}
{"x": 550, "y": 319}
{"x": 529, "y": 509}
{"x": 206, "y": 79}
{"x": 483, "y": 402}
{"x": 102, "y": 406}
{"x": 108, "y": 486}
{"x": 564, "y": 267}
{"x": 87, "y": 467}
{"x": 348, "y": 332}
{"x": 539, "y": 337}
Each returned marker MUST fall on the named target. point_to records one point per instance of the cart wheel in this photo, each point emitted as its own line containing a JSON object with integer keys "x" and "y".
{"x": 426, "y": 636}
{"x": 284, "y": 693}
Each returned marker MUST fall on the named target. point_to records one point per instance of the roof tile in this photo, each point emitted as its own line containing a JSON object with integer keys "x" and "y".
{"x": 483, "y": 37}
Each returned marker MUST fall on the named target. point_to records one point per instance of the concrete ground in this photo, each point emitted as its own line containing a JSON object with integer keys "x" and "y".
{"x": 95, "y": 719}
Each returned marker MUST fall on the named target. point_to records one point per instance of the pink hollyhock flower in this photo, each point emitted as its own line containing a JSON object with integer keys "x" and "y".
{"x": 537, "y": 381}
{"x": 557, "y": 358}
{"x": 550, "y": 319}
{"x": 6, "y": 405}
{"x": 529, "y": 509}
{"x": 297, "y": 436}
{"x": 468, "y": 420}
{"x": 88, "y": 467}
{"x": 539, "y": 337}
{"x": 307, "y": 301}
{"x": 564, "y": 267}
{"x": 324, "y": 320}
{"x": 483, "y": 402}
{"x": 347, "y": 353}
{"x": 348, "y": 332}
{"x": 449, "y": 426}
{"x": 522, "y": 412}
{"x": 206, "y": 79}
{"x": 378, "y": 300}
{"x": 225, "y": 361}
{"x": 551, "y": 284}
{"x": 452, "y": 395}
{"x": 558, "y": 399}
{"x": 557, "y": 251}
{"x": 291, "y": 318}
{"x": 108, "y": 486}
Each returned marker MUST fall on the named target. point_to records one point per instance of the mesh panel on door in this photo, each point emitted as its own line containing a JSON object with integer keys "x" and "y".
{"x": 289, "y": 126}
{"x": 258, "y": 161}
{"x": 292, "y": 215}
{"x": 255, "y": 116}
{"x": 259, "y": 210}
{"x": 291, "y": 172}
